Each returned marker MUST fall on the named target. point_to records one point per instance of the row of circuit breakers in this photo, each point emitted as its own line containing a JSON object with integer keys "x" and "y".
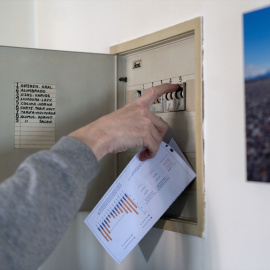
{"x": 170, "y": 102}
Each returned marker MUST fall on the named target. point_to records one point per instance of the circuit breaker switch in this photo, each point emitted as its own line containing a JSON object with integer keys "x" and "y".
{"x": 138, "y": 94}
{"x": 168, "y": 96}
{"x": 180, "y": 98}
{"x": 157, "y": 107}
{"x": 179, "y": 92}
{"x": 175, "y": 101}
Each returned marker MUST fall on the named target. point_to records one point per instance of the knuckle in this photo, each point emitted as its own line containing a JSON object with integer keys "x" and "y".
{"x": 143, "y": 112}
{"x": 151, "y": 92}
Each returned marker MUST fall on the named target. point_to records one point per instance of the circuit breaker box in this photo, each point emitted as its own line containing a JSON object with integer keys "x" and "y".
{"x": 47, "y": 94}
{"x": 173, "y": 55}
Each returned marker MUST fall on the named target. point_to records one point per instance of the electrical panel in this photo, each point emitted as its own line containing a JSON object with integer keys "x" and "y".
{"x": 171, "y": 55}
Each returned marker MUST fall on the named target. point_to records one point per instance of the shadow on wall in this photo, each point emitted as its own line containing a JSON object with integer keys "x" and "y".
{"x": 149, "y": 242}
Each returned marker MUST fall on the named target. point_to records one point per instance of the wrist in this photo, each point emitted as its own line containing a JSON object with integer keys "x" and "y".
{"x": 99, "y": 146}
{"x": 98, "y": 141}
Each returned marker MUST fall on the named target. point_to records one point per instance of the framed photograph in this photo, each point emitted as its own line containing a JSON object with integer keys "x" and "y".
{"x": 257, "y": 93}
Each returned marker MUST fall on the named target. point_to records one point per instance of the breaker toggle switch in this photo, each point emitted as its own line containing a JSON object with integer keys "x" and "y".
{"x": 180, "y": 98}
{"x": 175, "y": 101}
{"x": 157, "y": 107}
{"x": 138, "y": 94}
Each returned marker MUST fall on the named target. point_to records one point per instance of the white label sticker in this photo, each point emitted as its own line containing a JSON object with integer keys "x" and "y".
{"x": 34, "y": 115}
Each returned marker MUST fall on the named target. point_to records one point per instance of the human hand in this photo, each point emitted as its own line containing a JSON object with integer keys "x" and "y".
{"x": 131, "y": 126}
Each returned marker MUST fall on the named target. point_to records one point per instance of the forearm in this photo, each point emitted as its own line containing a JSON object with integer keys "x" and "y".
{"x": 40, "y": 199}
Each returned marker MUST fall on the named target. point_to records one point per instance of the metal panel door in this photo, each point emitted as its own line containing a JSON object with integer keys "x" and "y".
{"x": 85, "y": 90}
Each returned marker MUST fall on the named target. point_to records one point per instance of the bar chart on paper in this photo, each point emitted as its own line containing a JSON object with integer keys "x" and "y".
{"x": 137, "y": 199}
{"x": 115, "y": 213}
{"x": 120, "y": 211}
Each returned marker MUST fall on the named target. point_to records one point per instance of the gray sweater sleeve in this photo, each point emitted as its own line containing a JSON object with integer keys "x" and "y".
{"x": 40, "y": 199}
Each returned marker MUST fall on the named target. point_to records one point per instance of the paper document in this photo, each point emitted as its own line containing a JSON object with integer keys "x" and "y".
{"x": 137, "y": 199}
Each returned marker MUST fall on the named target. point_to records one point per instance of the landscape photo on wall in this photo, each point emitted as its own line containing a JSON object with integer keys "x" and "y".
{"x": 256, "y": 26}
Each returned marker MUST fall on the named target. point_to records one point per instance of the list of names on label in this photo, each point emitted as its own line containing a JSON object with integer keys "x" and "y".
{"x": 34, "y": 115}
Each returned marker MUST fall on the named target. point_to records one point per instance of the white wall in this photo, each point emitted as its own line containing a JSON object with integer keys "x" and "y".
{"x": 18, "y": 23}
{"x": 237, "y": 233}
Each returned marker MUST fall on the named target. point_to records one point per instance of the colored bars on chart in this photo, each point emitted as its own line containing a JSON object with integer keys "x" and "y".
{"x": 124, "y": 206}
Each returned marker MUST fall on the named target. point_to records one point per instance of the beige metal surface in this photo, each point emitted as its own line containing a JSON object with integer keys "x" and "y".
{"x": 184, "y": 41}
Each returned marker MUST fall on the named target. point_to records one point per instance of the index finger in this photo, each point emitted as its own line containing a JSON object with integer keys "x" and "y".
{"x": 153, "y": 93}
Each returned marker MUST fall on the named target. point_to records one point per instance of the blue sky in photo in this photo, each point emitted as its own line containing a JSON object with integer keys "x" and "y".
{"x": 257, "y": 42}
